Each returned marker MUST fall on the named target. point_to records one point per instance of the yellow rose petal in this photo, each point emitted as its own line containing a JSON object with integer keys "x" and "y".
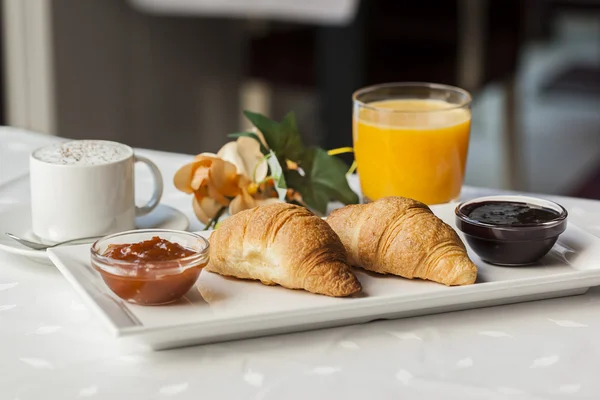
{"x": 216, "y": 195}
{"x": 183, "y": 177}
{"x": 199, "y": 178}
{"x": 199, "y": 211}
{"x": 229, "y": 153}
{"x": 241, "y": 202}
{"x": 224, "y": 178}
{"x": 254, "y": 161}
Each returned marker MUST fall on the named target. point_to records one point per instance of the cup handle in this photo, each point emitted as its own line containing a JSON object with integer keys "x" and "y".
{"x": 158, "y": 187}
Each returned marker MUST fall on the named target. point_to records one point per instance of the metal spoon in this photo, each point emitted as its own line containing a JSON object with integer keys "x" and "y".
{"x": 42, "y": 246}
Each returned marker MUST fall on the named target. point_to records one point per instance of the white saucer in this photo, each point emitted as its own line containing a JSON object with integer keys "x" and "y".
{"x": 17, "y": 220}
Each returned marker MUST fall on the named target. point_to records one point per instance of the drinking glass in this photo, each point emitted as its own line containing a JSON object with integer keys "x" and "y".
{"x": 411, "y": 140}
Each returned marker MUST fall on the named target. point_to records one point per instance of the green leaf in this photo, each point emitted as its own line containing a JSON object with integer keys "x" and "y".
{"x": 252, "y": 135}
{"x": 294, "y": 147}
{"x": 269, "y": 128}
{"x": 277, "y": 175}
{"x": 324, "y": 180}
{"x": 283, "y": 138}
{"x": 311, "y": 195}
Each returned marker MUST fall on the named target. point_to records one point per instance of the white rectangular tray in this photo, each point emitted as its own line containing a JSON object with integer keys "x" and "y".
{"x": 220, "y": 309}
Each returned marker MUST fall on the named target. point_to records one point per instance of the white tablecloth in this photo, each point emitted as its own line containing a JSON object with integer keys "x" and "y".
{"x": 52, "y": 347}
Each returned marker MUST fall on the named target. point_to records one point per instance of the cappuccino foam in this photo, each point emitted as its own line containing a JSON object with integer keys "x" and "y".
{"x": 83, "y": 152}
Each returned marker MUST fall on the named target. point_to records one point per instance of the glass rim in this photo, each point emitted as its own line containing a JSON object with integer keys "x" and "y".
{"x": 439, "y": 86}
{"x": 163, "y": 265}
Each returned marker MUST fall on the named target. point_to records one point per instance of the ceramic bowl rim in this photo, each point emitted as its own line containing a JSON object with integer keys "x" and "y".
{"x": 563, "y": 213}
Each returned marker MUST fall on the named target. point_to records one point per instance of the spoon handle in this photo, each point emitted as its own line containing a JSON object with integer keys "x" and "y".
{"x": 43, "y": 246}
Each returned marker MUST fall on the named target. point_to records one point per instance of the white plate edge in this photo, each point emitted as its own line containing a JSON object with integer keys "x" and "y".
{"x": 589, "y": 278}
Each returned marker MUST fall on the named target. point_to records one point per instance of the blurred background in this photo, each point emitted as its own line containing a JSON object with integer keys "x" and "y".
{"x": 174, "y": 75}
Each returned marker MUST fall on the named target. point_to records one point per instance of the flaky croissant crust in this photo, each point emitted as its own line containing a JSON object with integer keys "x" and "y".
{"x": 282, "y": 244}
{"x": 401, "y": 236}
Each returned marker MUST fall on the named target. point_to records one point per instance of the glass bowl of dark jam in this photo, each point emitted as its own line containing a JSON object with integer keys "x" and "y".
{"x": 511, "y": 230}
{"x": 150, "y": 266}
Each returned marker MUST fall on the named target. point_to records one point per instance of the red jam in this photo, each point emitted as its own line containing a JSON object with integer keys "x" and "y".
{"x": 155, "y": 249}
{"x": 160, "y": 277}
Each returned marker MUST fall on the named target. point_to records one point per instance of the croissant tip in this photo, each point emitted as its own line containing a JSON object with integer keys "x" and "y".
{"x": 345, "y": 286}
{"x": 467, "y": 277}
{"x": 354, "y": 287}
{"x": 348, "y": 290}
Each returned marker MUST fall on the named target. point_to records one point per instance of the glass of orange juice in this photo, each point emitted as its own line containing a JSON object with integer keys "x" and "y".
{"x": 411, "y": 140}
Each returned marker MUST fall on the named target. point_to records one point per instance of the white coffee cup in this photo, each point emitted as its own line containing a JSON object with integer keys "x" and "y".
{"x": 86, "y": 188}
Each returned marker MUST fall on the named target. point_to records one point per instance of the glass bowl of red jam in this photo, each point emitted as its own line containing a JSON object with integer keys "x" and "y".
{"x": 511, "y": 230}
{"x": 150, "y": 266}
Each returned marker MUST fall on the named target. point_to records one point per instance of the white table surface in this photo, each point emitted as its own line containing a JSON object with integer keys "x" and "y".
{"x": 52, "y": 347}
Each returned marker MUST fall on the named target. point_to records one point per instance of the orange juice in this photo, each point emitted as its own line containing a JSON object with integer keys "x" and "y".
{"x": 412, "y": 148}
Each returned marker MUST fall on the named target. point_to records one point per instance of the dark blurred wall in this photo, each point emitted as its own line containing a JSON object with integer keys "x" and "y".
{"x": 168, "y": 83}
{"x": 389, "y": 41}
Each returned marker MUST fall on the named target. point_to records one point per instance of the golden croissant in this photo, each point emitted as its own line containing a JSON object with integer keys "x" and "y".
{"x": 282, "y": 244}
{"x": 401, "y": 236}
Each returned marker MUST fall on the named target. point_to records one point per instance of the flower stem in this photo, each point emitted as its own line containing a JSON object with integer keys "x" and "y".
{"x": 352, "y": 168}
{"x": 341, "y": 150}
{"x": 215, "y": 219}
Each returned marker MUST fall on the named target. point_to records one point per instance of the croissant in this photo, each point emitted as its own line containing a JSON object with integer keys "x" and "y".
{"x": 401, "y": 236}
{"x": 282, "y": 244}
